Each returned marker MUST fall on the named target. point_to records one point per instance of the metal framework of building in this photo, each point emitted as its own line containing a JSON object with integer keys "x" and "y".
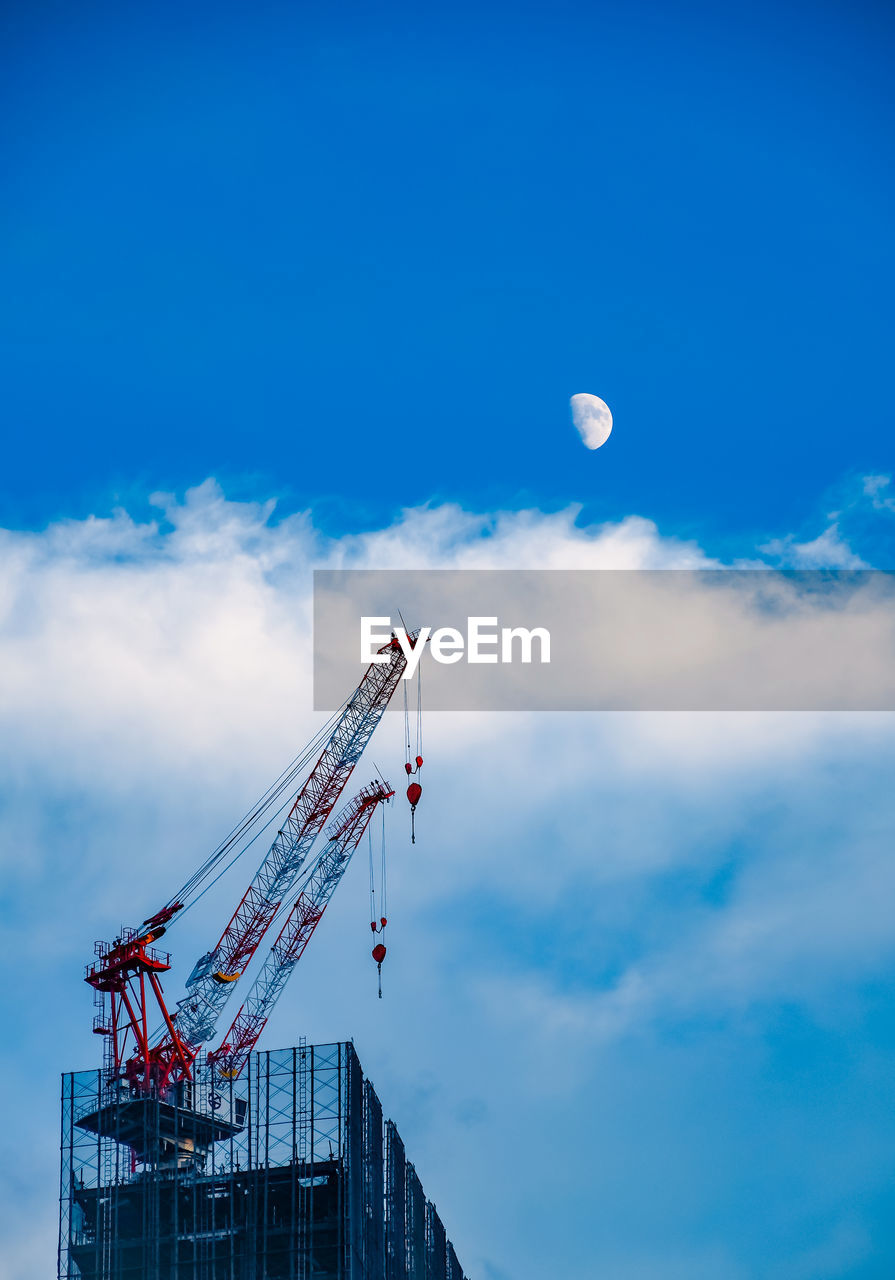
{"x": 285, "y": 1172}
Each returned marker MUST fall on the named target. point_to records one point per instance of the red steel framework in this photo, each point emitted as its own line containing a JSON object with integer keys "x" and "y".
{"x": 127, "y": 970}
{"x": 298, "y": 928}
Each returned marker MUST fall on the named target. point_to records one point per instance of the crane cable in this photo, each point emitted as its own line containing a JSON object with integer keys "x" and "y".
{"x": 378, "y": 922}
{"x": 199, "y": 884}
{"x": 295, "y": 892}
{"x": 414, "y": 762}
{"x": 419, "y": 722}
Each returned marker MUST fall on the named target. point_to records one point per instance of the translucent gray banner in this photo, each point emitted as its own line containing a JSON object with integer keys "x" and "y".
{"x": 617, "y": 640}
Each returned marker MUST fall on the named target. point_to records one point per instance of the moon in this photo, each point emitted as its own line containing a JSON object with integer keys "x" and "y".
{"x": 592, "y": 419}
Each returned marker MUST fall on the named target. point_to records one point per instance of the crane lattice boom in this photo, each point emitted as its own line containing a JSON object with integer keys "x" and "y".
{"x": 127, "y": 970}
{"x": 345, "y": 835}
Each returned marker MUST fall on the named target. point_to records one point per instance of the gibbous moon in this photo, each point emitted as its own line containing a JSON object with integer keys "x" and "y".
{"x": 592, "y": 419}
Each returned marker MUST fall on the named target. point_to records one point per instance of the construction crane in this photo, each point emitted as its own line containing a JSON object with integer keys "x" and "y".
{"x": 345, "y": 835}
{"x": 127, "y": 971}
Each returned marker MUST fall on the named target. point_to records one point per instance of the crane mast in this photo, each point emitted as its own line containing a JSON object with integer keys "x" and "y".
{"x": 345, "y": 835}
{"x": 128, "y": 969}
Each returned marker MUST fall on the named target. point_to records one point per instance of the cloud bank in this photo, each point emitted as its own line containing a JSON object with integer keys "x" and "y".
{"x": 635, "y": 995}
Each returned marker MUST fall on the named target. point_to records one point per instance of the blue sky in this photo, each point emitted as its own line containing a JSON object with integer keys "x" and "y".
{"x": 270, "y": 244}
{"x": 357, "y": 260}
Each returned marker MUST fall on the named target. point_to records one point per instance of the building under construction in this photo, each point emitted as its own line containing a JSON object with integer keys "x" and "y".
{"x": 181, "y": 1162}
{"x": 284, "y": 1172}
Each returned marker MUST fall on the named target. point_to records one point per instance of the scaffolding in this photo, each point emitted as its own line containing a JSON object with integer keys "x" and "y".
{"x": 286, "y": 1173}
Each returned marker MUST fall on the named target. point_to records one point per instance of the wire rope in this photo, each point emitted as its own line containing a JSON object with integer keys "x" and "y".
{"x": 189, "y": 893}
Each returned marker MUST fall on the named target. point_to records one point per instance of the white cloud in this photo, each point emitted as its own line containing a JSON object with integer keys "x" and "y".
{"x": 582, "y": 885}
{"x": 860, "y": 507}
{"x": 878, "y": 489}
{"x": 829, "y": 550}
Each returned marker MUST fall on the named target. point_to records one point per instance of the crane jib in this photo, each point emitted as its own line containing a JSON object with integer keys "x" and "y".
{"x": 216, "y": 974}
{"x": 125, "y": 974}
{"x": 346, "y": 833}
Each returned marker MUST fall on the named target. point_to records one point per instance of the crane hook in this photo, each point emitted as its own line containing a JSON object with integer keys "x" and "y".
{"x": 378, "y": 954}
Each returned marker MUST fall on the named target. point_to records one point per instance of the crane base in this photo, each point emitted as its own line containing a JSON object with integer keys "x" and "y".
{"x": 158, "y": 1132}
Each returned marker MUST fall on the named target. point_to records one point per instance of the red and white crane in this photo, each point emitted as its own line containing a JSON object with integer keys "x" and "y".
{"x": 345, "y": 835}
{"x": 126, "y": 974}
